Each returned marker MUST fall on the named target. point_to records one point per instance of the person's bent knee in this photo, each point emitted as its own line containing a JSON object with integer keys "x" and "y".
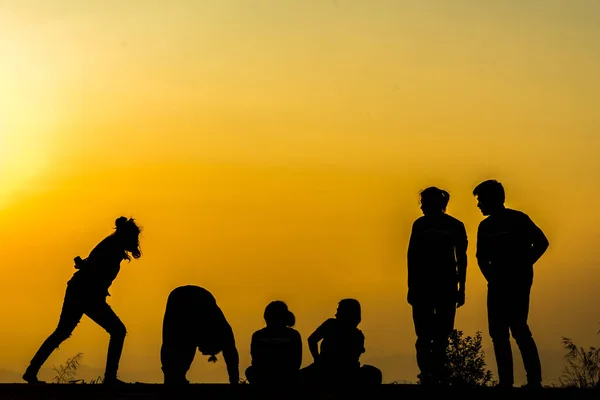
{"x": 371, "y": 375}
{"x": 118, "y": 331}
{"x": 499, "y": 336}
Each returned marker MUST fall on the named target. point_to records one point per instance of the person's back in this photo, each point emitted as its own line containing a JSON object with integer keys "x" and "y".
{"x": 193, "y": 320}
{"x": 97, "y": 272}
{"x": 277, "y": 350}
{"x": 184, "y": 313}
{"x": 432, "y": 250}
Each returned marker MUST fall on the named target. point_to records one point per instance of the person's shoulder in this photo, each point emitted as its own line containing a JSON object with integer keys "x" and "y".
{"x": 518, "y": 215}
{"x": 419, "y": 221}
{"x": 484, "y": 222}
{"x": 329, "y": 323}
{"x": 293, "y": 333}
{"x": 108, "y": 241}
{"x": 457, "y": 223}
{"x": 259, "y": 334}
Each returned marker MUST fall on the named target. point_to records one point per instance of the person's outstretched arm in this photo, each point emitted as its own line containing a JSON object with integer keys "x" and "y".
{"x": 315, "y": 338}
{"x": 230, "y": 352}
{"x": 232, "y": 359}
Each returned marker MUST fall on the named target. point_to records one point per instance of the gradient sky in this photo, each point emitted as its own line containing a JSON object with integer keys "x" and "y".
{"x": 275, "y": 149}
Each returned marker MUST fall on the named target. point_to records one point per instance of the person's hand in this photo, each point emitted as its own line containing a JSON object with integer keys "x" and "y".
{"x": 460, "y": 299}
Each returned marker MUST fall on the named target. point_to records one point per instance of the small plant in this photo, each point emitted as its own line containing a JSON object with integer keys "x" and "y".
{"x": 67, "y": 372}
{"x": 583, "y": 366}
{"x": 465, "y": 365}
{"x": 96, "y": 381}
{"x": 466, "y": 361}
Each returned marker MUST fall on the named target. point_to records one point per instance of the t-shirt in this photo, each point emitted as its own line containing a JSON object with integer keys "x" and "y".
{"x": 435, "y": 242}
{"x": 341, "y": 345}
{"x": 100, "y": 268}
{"x": 504, "y": 246}
{"x": 276, "y": 348}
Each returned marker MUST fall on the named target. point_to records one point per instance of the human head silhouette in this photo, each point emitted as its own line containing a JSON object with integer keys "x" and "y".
{"x": 348, "y": 312}
{"x": 490, "y": 196}
{"x": 128, "y": 234}
{"x": 277, "y": 314}
{"x": 434, "y": 200}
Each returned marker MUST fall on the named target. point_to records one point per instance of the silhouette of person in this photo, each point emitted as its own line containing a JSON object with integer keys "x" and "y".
{"x": 193, "y": 320}
{"x": 342, "y": 344}
{"x": 276, "y": 349}
{"x": 86, "y": 294}
{"x": 509, "y": 243}
{"x": 437, "y": 266}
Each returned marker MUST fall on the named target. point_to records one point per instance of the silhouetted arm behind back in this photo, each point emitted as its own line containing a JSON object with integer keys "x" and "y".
{"x": 483, "y": 252}
{"x": 539, "y": 242}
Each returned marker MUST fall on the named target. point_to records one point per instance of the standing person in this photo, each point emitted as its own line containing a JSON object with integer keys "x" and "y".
{"x": 342, "y": 344}
{"x": 86, "y": 294}
{"x": 437, "y": 268}
{"x": 193, "y": 320}
{"x": 276, "y": 349}
{"x": 509, "y": 243}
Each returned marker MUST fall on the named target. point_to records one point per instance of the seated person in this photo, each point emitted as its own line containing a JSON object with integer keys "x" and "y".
{"x": 342, "y": 344}
{"x": 276, "y": 349}
{"x": 193, "y": 320}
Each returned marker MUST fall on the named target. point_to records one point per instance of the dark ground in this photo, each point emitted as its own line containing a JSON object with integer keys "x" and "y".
{"x": 222, "y": 391}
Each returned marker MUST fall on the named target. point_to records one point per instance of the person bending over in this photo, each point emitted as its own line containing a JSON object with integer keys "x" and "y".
{"x": 193, "y": 321}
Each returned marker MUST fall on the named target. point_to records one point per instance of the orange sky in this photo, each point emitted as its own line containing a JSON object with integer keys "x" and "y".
{"x": 275, "y": 149}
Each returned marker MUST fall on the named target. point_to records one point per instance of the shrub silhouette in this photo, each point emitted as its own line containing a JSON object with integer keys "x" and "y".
{"x": 466, "y": 361}
{"x": 583, "y": 366}
{"x": 67, "y": 372}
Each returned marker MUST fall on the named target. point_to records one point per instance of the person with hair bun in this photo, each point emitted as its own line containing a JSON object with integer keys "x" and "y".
{"x": 437, "y": 268}
{"x": 276, "y": 349}
{"x": 86, "y": 294}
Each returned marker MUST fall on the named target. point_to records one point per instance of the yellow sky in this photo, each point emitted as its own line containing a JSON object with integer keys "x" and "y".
{"x": 275, "y": 149}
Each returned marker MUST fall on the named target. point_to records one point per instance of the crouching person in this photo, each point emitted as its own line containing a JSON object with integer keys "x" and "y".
{"x": 342, "y": 343}
{"x": 193, "y": 320}
{"x": 276, "y": 349}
